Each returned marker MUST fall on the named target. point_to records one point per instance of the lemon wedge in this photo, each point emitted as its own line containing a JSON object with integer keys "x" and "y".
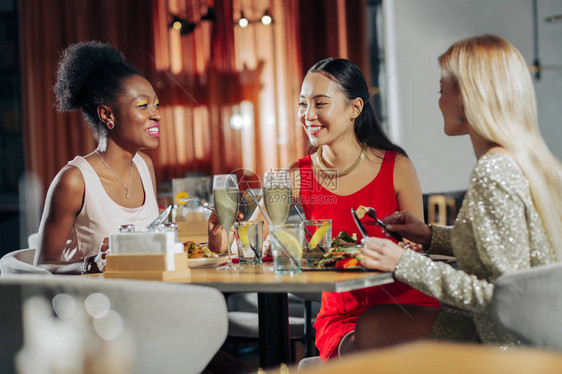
{"x": 181, "y": 196}
{"x": 243, "y": 233}
{"x": 319, "y": 234}
{"x": 290, "y": 242}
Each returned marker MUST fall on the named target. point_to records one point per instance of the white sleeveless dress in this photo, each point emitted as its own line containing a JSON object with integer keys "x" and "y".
{"x": 101, "y": 216}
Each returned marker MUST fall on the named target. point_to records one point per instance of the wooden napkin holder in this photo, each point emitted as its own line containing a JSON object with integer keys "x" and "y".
{"x": 147, "y": 267}
{"x": 146, "y": 256}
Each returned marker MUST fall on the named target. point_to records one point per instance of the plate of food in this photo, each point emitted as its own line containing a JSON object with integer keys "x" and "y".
{"x": 206, "y": 262}
{"x": 341, "y": 256}
{"x": 199, "y": 256}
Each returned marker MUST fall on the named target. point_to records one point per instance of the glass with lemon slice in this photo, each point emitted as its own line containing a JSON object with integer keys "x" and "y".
{"x": 249, "y": 240}
{"x": 287, "y": 247}
{"x": 320, "y": 241}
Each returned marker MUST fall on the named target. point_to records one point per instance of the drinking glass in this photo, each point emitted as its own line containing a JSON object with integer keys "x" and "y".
{"x": 320, "y": 241}
{"x": 287, "y": 243}
{"x": 249, "y": 239}
{"x": 277, "y": 193}
{"x": 225, "y": 195}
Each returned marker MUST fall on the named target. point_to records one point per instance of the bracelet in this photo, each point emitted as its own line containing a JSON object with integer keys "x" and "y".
{"x": 90, "y": 266}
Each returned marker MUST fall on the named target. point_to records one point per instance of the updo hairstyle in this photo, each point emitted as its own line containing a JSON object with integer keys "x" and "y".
{"x": 90, "y": 74}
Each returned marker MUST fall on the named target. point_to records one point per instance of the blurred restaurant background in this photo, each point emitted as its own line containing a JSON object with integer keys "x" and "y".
{"x": 229, "y": 89}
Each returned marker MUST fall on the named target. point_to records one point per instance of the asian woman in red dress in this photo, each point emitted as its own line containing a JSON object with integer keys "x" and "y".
{"x": 353, "y": 163}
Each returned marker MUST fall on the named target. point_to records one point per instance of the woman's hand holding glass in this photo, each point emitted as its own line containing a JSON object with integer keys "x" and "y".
{"x": 226, "y": 198}
{"x": 218, "y": 237}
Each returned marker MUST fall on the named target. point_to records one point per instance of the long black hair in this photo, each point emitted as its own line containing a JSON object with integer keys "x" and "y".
{"x": 90, "y": 74}
{"x": 351, "y": 82}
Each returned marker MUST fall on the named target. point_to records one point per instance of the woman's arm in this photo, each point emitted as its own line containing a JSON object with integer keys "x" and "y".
{"x": 64, "y": 201}
{"x": 499, "y": 245}
{"x": 407, "y": 187}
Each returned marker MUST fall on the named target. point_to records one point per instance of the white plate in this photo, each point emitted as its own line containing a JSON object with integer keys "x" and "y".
{"x": 206, "y": 262}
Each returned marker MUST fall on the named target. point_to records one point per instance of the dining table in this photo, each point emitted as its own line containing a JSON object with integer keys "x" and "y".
{"x": 434, "y": 357}
{"x": 273, "y": 289}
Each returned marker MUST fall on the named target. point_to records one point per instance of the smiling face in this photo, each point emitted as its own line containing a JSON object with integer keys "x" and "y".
{"x": 324, "y": 111}
{"x": 451, "y": 107}
{"x": 138, "y": 116}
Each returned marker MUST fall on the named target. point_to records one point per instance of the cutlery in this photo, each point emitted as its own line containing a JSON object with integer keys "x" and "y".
{"x": 190, "y": 199}
{"x": 253, "y": 196}
{"x": 359, "y": 224}
{"x": 152, "y": 226}
{"x": 371, "y": 212}
{"x": 303, "y": 219}
{"x": 363, "y": 233}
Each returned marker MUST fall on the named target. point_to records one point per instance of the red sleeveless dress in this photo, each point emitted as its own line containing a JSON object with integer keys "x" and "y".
{"x": 339, "y": 311}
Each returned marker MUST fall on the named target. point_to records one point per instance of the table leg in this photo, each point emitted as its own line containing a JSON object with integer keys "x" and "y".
{"x": 308, "y": 340}
{"x": 273, "y": 309}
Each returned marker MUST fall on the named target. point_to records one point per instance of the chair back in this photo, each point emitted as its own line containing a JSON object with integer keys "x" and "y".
{"x": 175, "y": 328}
{"x": 32, "y": 240}
{"x": 20, "y": 262}
{"x": 528, "y": 304}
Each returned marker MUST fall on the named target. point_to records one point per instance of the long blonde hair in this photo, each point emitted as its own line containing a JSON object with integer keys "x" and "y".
{"x": 500, "y": 105}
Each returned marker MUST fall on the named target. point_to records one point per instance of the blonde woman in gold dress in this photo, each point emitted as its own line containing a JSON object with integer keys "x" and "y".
{"x": 511, "y": 216}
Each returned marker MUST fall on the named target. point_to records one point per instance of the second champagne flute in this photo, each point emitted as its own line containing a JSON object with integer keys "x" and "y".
{"x": 225, "y": 195}
{"x": 277, "y": 193}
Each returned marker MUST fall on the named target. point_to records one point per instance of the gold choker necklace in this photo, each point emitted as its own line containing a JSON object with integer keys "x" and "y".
{"x": 334, "y": 172}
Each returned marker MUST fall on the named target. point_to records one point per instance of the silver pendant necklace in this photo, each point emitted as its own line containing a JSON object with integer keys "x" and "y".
{"x": 128, "y": 186}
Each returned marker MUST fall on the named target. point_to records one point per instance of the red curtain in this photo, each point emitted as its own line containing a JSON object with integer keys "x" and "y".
{"x": 229, "y": 95}
{"x": 46, "y": 28}
{"x": 334, "y": 28}
{"x": 230, "y": 92}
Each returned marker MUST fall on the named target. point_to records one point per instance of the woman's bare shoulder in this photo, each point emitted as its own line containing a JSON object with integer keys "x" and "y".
{"x": 68, "y": 189}
{"x": 403, "y": 163}
{"x": 70, "y": 179}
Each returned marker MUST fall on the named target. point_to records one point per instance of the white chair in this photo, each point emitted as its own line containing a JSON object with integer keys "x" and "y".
{"x": 20, "y": 262}
{"x": 175, "y": 328}
{"x": 32, "y": 240}
{"x": 528, "y": 304}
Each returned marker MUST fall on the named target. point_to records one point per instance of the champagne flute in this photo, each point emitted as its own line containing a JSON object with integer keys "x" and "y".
{"x": 277, "y": 193}
{"x": 225, "y": 195}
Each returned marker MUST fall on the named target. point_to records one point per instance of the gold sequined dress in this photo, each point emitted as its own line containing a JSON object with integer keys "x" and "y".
{"x": 497, "y": 231}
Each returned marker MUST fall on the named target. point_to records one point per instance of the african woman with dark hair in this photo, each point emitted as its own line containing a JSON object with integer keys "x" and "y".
{"x": 354, "y": 164}
{"x": 93, "y": 195}
{"x": 114, "y": 185}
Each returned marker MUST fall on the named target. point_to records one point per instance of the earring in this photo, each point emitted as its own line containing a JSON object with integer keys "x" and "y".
{"x": 110, "y": 125}
{"x": 460, "y": 121}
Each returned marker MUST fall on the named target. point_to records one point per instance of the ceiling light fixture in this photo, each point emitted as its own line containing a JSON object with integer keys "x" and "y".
{"x": 243, "y": 22}
{"x": 266, "y": 18}
{"x": 186, "y": 27}
{"x": 210, "y": 15}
